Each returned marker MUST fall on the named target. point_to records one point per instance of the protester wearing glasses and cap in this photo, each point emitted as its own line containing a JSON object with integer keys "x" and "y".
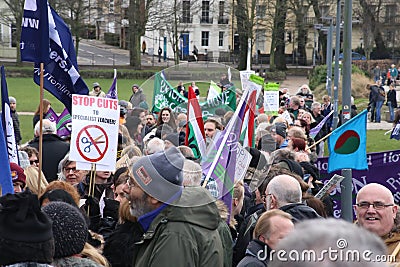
{"x": 180, "y": 224}
{"x": 97, "y": 91}
{"x": 376, "y": 212}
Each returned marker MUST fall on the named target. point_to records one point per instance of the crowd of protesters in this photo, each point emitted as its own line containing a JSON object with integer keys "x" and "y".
{"x": 155, "y": 209}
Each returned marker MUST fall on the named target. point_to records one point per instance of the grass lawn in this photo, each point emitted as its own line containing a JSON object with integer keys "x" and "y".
{"x": 27, "y": 94}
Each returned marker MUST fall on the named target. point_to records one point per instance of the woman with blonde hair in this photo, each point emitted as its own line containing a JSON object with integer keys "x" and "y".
{"x": 32, "y": 177}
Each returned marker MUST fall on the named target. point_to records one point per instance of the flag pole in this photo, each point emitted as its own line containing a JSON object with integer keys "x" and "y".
{"x": 40, "y": 127}
{"x": 320, "y": 140}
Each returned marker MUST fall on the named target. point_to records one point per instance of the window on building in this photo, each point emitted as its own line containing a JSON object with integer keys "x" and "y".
{"x": 221, "y": 39}
{"x": 261, "y": 11}
{"x": 324, "y": 10}
{"x": 261, "y": 38}
{"x": 205, "y": 38}
{"x": 390, "y": 14}
{"x": 205, "y": 11}
{"x": 221, "y": 8}
{"x": 186, "y": 11}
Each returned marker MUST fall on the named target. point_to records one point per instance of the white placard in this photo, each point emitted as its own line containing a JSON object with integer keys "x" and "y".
{"x": 333, "y": 181}
{"x": 271, "y": 101}
{"x": 94, "y": 136}
{"x": 88, "y": 166}
{"x": 243, "y": 158}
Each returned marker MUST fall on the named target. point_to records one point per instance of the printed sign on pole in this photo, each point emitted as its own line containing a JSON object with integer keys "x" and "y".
{"x": 94, "y": 137}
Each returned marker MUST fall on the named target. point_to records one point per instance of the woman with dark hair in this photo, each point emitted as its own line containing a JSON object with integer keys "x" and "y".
{"x": 167, "y": 117}
{"x": 46, "y": 107}
{"x": 134, "y": 126}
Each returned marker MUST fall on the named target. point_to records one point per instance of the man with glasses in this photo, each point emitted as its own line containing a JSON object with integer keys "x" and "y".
{"x": 69, "y": 173}
{"x": 376, "y": 212}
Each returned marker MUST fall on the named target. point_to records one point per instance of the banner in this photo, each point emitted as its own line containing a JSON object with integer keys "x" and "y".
{"x": 61, "y": 74}
{"x": 383, "y": 168}
{"x": 8, "y": 125}
{"x": 165, "y": 95}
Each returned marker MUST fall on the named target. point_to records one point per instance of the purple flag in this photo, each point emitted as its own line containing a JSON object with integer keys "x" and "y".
{"x": 220, "y": 163}
{"x": 314, "y": 131}
{"x": 112, "y": 93}
{"x": 52, "y": 115}
{"x": 63, "y": 123}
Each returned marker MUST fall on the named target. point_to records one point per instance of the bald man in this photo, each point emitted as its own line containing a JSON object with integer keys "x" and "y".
{"x": 376, "y": 212}
{"x": 283, "y": 192}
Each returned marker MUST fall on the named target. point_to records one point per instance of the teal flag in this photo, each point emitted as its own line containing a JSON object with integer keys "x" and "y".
{"x": 165, "y": 95}
{"x": 348, "y": 145}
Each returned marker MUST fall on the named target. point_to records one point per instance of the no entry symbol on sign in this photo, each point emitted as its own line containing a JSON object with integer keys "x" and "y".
{"x": 92, "y": 143}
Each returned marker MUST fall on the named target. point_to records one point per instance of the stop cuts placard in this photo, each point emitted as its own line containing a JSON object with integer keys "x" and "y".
{"x": 94, "y": 137}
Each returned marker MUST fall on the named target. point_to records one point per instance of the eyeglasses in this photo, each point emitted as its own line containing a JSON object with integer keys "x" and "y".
{"x": 68, "y": 170}
{"x": 36, "y": 161}
{"x": 377, "y": 205}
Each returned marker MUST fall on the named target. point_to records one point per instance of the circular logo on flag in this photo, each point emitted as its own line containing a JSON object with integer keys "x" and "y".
{"x": 347, "y": 143}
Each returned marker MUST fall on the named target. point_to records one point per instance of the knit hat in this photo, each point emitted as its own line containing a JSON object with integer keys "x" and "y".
{"x": 160, "y": 174}
{"x": 279, "y": 129}
{"x": 12, "y": 99}
{"x": 96, "y": 85}
{"x": 25, "y": 231}
{"x": 69, "y": 229}
{"x": 17, "y": 174}
{"x": 136, "y": 85}
{"x": 173, "y": 138}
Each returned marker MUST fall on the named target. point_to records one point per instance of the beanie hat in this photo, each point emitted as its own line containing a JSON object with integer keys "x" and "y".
{"x": 280, "y": 129}
{"x": 96, "y": 85}
{"x": 17, "y": 174}
{"x": 136, "y": 85}
{"x": 69, "y": 229}
{"x": 160, "y": 174}
{"x": 173, "y": 138}
{"x": 12, "y": 99}
{"x": 25, "y": 231}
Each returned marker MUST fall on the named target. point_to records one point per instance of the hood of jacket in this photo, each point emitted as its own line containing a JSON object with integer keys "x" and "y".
{"x": 195, "y": 206}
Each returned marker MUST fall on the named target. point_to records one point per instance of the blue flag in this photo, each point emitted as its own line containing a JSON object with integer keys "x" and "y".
{"x": 396, "y": 132}
{"x": 7, "y": 122}
{"x": 61, "y": 74}
{"x": 348, "y": 145}
{"x": 35, "y": 32}
{"x": 5, "y": 171}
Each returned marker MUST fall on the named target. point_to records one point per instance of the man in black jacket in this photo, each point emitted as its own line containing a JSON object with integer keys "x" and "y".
{"x": 283, "y": 192}
{"x": 54, "y": 148}
{"x": 15, "y": 119}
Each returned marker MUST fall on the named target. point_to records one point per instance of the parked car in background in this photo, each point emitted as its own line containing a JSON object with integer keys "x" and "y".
{"x": 354, "y": 56}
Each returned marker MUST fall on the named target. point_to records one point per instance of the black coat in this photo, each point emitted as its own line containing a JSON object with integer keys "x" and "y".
{"x": 252, "y": 253}
{"x": 391, "y": 97}
{"x": 119, "y": 247}
{"x": 54, "y": 150}
{"x": 300, "y": 212}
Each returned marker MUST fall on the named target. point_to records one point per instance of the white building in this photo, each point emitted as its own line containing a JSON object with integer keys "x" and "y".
{"x": 201, "y": 24}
